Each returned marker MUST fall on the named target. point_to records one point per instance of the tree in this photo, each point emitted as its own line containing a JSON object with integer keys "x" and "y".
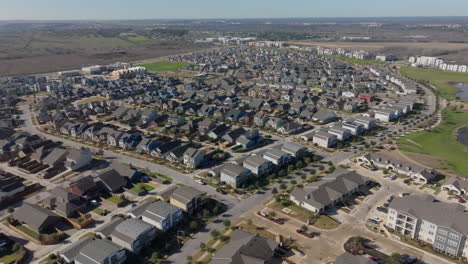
{"x": 274, "y": 191}
{"x": 272, "y": 214}
{"x": 282, "y": 173}
{"x": 299, "y": 164}
{"x": 304, "y": 228}
{"x": 202, "y": 246}
{"x": 226, "y": 222}
{"x": 154, "y": 256}
{"x": 189, "y": 259}
{"x": 293, "y": 182}
{"x": 214, "y": 233}
{"x": 313, "y": 178}
{"x": 316, "y": 158}
{"x": 313, "y": 171}
{"x": 308, "y": 160}
{"x": 385, "y": 171}
{"x": 290, "y": 168}
{"x": 283, "y": 186}
{"x": 193, "y": 225}
{"x": 330, "y": 163}
{"x": 321, "y": 168}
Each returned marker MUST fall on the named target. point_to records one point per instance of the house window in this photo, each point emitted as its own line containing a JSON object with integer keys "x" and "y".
{"x": 442, "y": 232}
{"x": 442, "y": 239}
{"x": 454, "y": 236}
{"x": 452, "y": 243}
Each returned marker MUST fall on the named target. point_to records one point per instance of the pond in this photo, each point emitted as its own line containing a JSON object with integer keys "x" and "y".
{"x": 462, "y": 135}
{"x": 463, "y": 87}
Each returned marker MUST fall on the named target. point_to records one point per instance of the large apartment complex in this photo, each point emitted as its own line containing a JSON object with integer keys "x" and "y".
{"x": 442, "y": 225}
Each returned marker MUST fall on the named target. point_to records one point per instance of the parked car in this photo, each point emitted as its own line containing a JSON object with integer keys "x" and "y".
{"x": 372, "y": 221}
{"x": 407, "y": 259}
{"x": 461, "y": 200}
{"x": 200, "y": 182}
{"x": 382, "y": 209}
{"x": 376, "y": 219}
{"x": 220, "y": 191}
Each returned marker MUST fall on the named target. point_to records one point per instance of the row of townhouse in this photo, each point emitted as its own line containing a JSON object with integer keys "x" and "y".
{"x": 329, "y": 137}
{"x": 330, "y": 190}
{"x": 241, "y": 171}
{"x": 392, "y": 111}
{"x": 410, "y": 169}
{"x": 437, "y": 63}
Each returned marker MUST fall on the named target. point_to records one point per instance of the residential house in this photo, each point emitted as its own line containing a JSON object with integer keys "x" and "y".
{"x": 56, "y": 158}
{"x": 193, "y": 157}
{"x": 37, "y": 218}
{"x": 162, "y": 215}
{"x": 111, "y": 181}
{"x": 133, "y": 234}
{"x": 296, "y": 150}
{"x": 246, "y": 248}
{"x": 456, "y": 185}
{"x": 324, "y": 139}
{"x": 234, "y": 175}
{"x": 10, "y": 185}
{"x": 258, "y": 165}
{"x": 96, "y": 251}
{"x": 85, "y": 187}
{"x": 323, "y": 116}
{"x": 64, "y": 202}
{"x": 277, "y": 157}
{"x": 218, "y": 131}
{"x": 186, "y": 198}
{"x": 77, "y": 159}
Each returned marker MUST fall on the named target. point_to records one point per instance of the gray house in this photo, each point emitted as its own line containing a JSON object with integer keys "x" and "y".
{"x": 162, "y": 215}
{"x": 93, "y": 251}
{"x": 133, "y": 234}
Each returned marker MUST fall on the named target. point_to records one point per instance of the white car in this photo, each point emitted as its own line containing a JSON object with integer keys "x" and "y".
{"x": 377, "y": 219}
{"x": 200, "y": 182}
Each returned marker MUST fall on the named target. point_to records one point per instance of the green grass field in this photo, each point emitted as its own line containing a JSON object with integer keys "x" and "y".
{"x": 440, "y": 79}
{"x": 140, "y": 40}
{"x": 358, "y": 61}
{"x": 163, "y": 66}
{"x": 441, "y": 142}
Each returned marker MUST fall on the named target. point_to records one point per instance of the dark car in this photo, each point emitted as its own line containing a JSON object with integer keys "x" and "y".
{"x": 382, "y": 209}
{"x": 407, "y": 259}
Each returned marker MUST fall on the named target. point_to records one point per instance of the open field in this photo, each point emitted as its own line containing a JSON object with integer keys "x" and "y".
{"x": 41, "y": 52}
{"x": 441, "y": 143}
{"x": 440, "y": 79}
{"x": 163, "y": 66}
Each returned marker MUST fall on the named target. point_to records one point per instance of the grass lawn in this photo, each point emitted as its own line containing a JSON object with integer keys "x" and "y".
{"x": 298, "y": 212}
{"x": 440, "y": 79}
{"x": 140, "y": 40}
{"x": 13, "y": 257}
{"x": 137, "y": 190}
{"x": 29, "y": 232}
{"x": 441, "y": 142}
{"x": 98, "y": 211}
{"x": 326, "y": 222}
{"x": 115, "y": 199}
{"x": 251, "y": 227}
{"x": 163, "y": 66}
{"x": 147, "y": 187}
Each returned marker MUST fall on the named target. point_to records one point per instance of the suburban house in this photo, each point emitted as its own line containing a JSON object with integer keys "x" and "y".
{"x": 278, "y": 157}
{"x": 340, "y": 132}
{"x": 296, "y": 150}
{"x": 193, "y": 157}
{"x": 162, "y": 215}
{"x": 77, "y": 159}
{"x": 323, "y": 116}
{"x": 38, "y": 218}
{"x": 234, "y": 175}
{"x": 186, "y": 198}
{"x": 443, "y": 225}
{"x": 324, "y": 139}
{"x": 56, "y": 158}
{"x": 457, "y": 185}
{"x": 112, "y": 181}
{"x": 258, "y": 165}
{"x": 386, "y": 115}
{"x": 331, "y": 189}
{"x": 64, "y": 202}
{"x": 85, "y": 187}
{"x": 412, "y": 170}
{"x": 97, "y": 251}
{"x": 133, "y": 234}
{"x": 246, "y": 248}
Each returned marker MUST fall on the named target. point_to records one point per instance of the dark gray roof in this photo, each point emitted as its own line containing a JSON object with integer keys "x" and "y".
{"x": 159, "y": 211}
{"x": 245, "y": 248}
{"x": 33, "y": 215}
{"x": 450, "y": 215}
{"x": 96, "y": 251}
{"x": 130, "y": 229}
{"x": 328, "y": 189}
{"x": 186, "y": 194}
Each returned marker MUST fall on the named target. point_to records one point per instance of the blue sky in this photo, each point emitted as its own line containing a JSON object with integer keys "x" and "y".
{"x": 164, "y": 9}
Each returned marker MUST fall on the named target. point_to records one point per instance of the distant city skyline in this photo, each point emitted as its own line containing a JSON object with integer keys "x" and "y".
{"x": 218, "y": 9}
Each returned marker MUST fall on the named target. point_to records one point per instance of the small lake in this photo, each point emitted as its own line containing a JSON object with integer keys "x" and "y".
{"x": 462, "y": 135}
{"x": 463, "y": 93}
